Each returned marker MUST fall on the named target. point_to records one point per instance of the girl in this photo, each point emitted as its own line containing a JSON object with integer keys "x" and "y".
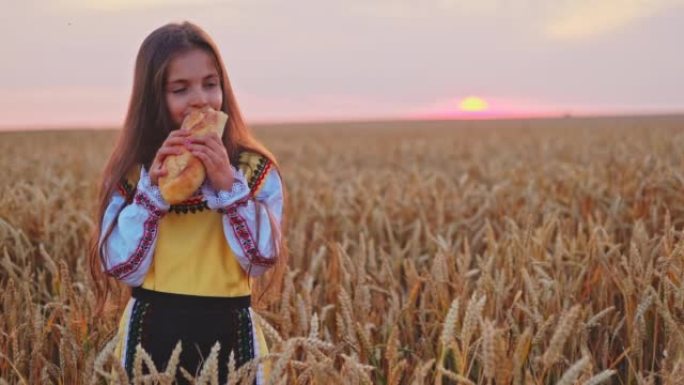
{"x": 190, "y": 265}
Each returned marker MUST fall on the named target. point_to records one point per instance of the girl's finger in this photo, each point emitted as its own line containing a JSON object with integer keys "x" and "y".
{"x": 154, "y": 172}
{"x": 156, "y": 164}
{"x": 164, "y": 152}
{"x": 177, "y": 141}
{"x": 196, "y": 147}
{"x": 216, "y": 149}
{"x": 216, "y": 145}
{"x": 211, "y": 137}
{"x": 204, "y": 157}
{"x": 195, "y": 139}
{"x": 202, "y": 150}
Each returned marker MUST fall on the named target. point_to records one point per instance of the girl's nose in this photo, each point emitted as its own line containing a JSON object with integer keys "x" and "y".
{"x": 198, "y": 99}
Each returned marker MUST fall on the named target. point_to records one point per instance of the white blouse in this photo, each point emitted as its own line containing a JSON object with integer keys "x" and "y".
{"x": 129, "y": 249}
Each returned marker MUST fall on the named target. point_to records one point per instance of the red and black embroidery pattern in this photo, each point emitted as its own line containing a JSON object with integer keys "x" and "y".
{"x": 150, "y": 228}
{"x": 259, "y": 174}
{"x": 244, "y": 236}
{"x": 191, "y": 205}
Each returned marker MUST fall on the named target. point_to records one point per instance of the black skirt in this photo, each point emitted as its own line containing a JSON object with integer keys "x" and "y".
{"x": 159, "y": 320}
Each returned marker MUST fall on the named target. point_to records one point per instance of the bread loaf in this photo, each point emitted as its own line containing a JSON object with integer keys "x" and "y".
{"x": 185, "y": 173}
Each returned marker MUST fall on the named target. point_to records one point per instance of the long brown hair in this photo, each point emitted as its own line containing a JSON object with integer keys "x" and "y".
{"x": 147, "y": 125}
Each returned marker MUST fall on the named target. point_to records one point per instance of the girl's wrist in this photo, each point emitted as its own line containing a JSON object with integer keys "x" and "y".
{"x": 225, "y": 184}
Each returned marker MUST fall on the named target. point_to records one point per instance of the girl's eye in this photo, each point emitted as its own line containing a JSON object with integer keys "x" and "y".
{"x": 211, "y": 85}
{"x": 179, "y": 91}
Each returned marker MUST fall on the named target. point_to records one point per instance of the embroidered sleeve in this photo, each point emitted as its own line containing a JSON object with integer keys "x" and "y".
{"x": 251, "y": 222}
{"x": 130, "y": 246}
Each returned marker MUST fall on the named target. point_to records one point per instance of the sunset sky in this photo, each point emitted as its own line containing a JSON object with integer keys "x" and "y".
{"x": 69, "y": 63}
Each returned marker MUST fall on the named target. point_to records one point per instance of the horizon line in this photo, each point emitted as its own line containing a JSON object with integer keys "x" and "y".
{"x": 315, "y": 121}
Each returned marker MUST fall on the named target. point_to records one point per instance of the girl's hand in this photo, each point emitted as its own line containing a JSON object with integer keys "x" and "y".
{"x": 210, "y": 150}
{"x": 171, "y": 146}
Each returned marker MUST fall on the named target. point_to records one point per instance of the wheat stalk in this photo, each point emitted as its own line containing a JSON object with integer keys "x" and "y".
{"x": 600, "y": 378}
{"x": 570, "y": 375}
{"x": 563, "y": 330}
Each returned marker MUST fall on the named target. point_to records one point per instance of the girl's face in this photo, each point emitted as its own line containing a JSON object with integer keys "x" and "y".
{"x": 192, "y": 82}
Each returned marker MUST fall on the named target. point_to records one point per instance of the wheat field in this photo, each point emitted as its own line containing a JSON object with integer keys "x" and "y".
{"x": 510, "y": 252}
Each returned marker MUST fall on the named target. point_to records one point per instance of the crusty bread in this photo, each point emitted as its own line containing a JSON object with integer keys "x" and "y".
{"x": 185, "y": 172}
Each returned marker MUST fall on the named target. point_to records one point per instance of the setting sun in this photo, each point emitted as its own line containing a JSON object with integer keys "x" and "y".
{"x": 473, "y": 104}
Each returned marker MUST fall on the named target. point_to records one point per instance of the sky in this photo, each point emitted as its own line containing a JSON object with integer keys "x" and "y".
{"x": 69, "y": 63}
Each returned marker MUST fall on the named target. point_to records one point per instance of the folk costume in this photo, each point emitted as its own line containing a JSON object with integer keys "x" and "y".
{"x": 190, "y": 265}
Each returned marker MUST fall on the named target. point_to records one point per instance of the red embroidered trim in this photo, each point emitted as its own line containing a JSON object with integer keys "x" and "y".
{"x": 150, "y": 227}
{"x": 244, "y": 236}
{"x": 192, "y": 205}
{"x": 193, "y": 201}
{"x": 260, "y": 179}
